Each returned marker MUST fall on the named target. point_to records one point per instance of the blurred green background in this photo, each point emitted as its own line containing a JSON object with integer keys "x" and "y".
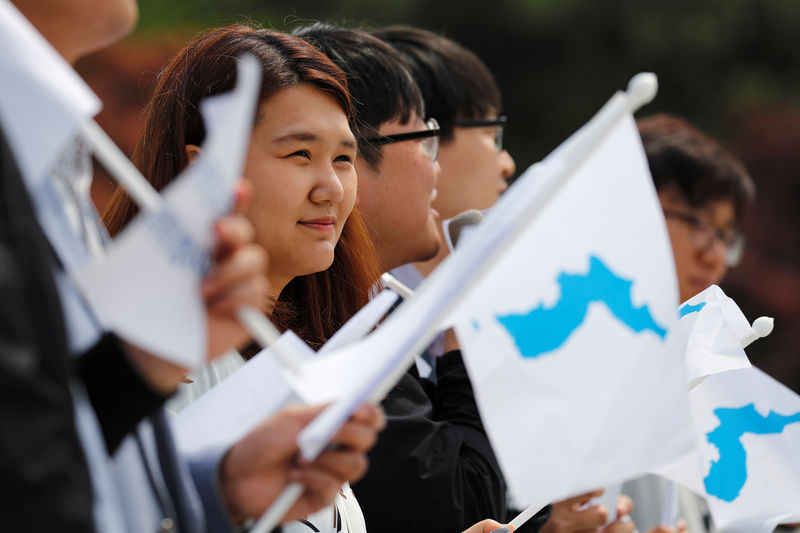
{"x": 732, "y": 67}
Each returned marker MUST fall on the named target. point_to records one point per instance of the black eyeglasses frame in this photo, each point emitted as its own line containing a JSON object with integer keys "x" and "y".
{"x": 410, "y": 136}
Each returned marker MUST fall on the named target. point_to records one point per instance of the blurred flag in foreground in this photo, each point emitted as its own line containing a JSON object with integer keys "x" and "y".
{"x": 146, "y": 288}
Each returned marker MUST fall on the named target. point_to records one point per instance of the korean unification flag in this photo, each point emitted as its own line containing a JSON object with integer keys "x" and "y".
{"x": 748, "y": 438}
{"x": 710, "y": 332}
{"x": 566, "y": 338}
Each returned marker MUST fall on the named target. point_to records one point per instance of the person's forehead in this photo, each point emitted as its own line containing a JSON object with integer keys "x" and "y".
{"x": 719, "y": 210}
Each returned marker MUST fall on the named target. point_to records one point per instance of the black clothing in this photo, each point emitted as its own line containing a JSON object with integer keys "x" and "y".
{"x": 433, "y": 468}
{"x": 45, "y": 483}
{"x": 44, "y": 480}
{"x": 119, "y": 396}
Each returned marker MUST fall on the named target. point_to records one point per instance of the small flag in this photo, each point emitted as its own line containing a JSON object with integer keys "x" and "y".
{"x": 710, "y": 332}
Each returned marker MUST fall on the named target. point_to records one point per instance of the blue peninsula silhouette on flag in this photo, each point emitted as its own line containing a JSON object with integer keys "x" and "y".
{"x": 728, "y": 475}
{"x": 544, "y": 329}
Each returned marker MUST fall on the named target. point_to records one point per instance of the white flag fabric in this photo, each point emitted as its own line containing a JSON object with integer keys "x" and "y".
{"x": 44, "y": 101}
{"x": 711, "y": 329}
{"x": 237, "y": 405}
{"x": 565, "y": 339}
{"x": 748, "y": 438}
{"x": 147, "y": 288}
{"x": 362, "y": 322}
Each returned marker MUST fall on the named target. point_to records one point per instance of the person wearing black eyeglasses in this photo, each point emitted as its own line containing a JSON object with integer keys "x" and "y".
{"x": 461, "y": 93}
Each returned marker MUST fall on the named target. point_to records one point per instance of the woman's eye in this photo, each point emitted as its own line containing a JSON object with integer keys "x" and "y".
{"x": 344, "y": 158}
{"x": 301, "y": 153}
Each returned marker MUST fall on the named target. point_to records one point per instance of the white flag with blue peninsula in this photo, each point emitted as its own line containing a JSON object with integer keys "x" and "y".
{"x": 748, "y": 438}
{"x": 566, "y": 337}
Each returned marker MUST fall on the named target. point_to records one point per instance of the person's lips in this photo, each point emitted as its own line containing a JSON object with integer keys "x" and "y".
{"x": 319, "y": 224}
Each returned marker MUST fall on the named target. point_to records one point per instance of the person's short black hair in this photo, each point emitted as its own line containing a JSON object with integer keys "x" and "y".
{"x": 381, "y": 86}
{"x": 455, "y": 83}
{"x": 683, "y": 157}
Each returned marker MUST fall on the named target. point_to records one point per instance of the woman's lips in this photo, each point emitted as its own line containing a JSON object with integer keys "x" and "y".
{"x": 320, "y": 224}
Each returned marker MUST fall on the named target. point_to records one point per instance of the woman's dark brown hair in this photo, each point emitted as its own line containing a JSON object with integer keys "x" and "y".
{"x": 316, "y": 305}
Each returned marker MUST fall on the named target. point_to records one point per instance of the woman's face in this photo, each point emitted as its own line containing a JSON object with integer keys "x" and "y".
{"x": 300, "y": 163}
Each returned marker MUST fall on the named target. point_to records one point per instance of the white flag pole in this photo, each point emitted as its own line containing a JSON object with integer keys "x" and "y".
{"x": 762, "y": 326}
{"x": 439, "y": 294}
{"x": 119, "y": 166}
{"x": 396, "y": 285}
{"x": 670, "y": 510}
{"x": 526, "y": 515}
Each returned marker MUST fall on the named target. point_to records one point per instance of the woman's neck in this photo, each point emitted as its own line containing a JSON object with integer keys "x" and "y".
{"x": 277, "y": 283}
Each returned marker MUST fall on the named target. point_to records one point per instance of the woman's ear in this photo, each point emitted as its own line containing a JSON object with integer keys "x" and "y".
{"x": 192, "y": 151}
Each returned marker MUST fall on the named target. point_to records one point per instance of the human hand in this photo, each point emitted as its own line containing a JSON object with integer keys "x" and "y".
{"x": 571, "y": 515}
{"x": 237, "y": 278}
{"x": 258, "y": 467}
{"x": 664, "y": 529}
{"x": 450, "y": 341}
{"x": 487, "y": 526}
{"x": 623, "y": 522}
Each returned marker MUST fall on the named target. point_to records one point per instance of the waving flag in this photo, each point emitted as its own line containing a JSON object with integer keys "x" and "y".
{"x": 748, "y": 437}
{"x": 566, "y": 338}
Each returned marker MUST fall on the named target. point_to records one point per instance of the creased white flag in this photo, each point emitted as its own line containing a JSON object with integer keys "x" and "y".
{"x": 147, "y": 289}
{"x": 711, "y": 329}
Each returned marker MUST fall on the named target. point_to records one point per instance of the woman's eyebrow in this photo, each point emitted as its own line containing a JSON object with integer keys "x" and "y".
{"x": 297, "y": 136}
